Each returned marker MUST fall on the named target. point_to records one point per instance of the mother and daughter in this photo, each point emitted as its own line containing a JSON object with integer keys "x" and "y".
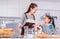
{"x": 28, "y": 19}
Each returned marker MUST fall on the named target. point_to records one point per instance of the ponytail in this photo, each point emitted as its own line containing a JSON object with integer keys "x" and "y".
{"x": 52, "y": 19}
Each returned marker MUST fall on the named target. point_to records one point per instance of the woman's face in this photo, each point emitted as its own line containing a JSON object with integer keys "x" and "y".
{"x": 34, "y": 10}
{"x": 46, "y": 20}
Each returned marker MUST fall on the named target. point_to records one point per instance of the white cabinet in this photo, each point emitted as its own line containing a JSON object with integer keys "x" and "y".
{"x": 13, "y": 8}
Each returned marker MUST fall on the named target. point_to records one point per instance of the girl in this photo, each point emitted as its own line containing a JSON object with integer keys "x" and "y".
{"x": 49, "y": 26}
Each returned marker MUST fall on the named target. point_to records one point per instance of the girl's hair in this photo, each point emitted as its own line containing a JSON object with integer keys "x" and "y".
{"x": 51, "y": 20}
{"x": 32, "y": 5}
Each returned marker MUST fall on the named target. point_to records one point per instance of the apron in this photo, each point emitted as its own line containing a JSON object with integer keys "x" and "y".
{"x": 30, "y": 25}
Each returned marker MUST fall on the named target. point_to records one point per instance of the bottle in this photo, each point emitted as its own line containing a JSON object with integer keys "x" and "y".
{"x": 3, "y": 25}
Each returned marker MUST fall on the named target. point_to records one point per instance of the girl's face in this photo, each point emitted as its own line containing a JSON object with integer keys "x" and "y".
{"x": 34, "y": 10}
{"x": 46, "y": 20}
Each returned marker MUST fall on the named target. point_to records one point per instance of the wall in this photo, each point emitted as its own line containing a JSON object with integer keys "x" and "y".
{"x": 12, "y": 8}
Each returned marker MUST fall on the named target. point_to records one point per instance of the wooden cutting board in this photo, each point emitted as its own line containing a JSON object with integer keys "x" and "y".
{"x": 42, "y": 35}
{"x": 6, "y": 32}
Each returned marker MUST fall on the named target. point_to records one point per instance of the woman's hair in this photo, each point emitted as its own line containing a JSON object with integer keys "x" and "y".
{"x": 32, "y": 5}
{"x": 51, "y": 20}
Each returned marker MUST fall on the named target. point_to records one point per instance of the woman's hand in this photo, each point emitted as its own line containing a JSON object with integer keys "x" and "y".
{"x": 20, "y": 27}
{"x": 37, "y": 25}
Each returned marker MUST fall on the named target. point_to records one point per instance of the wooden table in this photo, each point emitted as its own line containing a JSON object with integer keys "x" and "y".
{"x": 6, "y": 32}
{"x": 43, "y": 35}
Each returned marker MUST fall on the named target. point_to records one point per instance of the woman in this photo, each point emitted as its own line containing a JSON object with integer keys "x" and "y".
{"x": 28, "y": 15}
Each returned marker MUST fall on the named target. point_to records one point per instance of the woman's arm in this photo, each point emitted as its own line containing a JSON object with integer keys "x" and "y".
{"x": 22, "y": 19}
{"x": 21, "y": 22}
